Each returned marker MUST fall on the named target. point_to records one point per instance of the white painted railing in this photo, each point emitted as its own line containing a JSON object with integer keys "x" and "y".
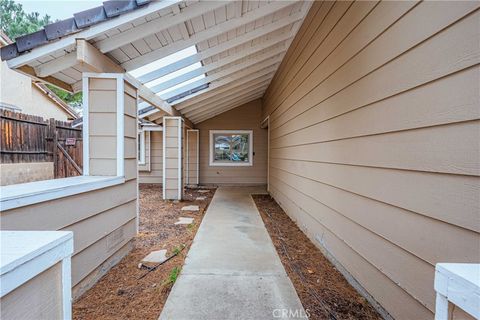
{"x": 459, "y": 284}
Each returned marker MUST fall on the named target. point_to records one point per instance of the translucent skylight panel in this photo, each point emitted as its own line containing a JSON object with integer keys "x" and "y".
{"x": 174, "y": 74}
{"x": 161, "y": 93}
{"x": 160, "y": 63}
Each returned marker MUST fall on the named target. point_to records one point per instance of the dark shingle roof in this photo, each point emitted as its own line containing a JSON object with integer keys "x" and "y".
{"x": 81, "y": 20}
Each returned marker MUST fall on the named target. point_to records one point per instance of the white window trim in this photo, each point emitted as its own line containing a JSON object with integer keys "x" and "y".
{"x": 142, "y": 156}
{"x": 231, "y": 164}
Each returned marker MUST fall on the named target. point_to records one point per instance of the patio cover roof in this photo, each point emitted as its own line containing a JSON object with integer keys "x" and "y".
{"x": 239, "y": 46}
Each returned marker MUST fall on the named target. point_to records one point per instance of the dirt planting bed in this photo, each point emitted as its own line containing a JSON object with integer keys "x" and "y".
{"x": 323, "y": 290}
{"x": 120, "y": 294}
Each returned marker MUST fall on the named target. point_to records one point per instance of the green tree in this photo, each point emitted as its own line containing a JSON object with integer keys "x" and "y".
{"x": 15, "y": 22}
{"x": 74, "y": 100}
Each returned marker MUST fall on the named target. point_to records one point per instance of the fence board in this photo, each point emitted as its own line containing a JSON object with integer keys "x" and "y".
{"x": 28, "y": 138}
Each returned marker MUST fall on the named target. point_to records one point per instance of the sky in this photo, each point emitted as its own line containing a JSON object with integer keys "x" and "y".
{"x": 58, "y": 9}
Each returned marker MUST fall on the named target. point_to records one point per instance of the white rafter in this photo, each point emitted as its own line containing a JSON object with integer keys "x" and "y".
{"x": 237, "y": 71}
{"x": 231, "y": 69}
{"x": 209, "y": 33}
{"x": 233, "y": 76}
{"x": 157, "y": 25}
{"x": 214, "y": 95}
{"x": 230, "y": 93}
{"x": 229, "y": 107}
{"x": 227, "y": 101}
{"x": 90, "y": 33}
{"x": 226, "y": 81}
{"x": 227, "y": 45}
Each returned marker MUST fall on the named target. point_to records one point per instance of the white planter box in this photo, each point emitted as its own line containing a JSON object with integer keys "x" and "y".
{"x": 35, "y": 274}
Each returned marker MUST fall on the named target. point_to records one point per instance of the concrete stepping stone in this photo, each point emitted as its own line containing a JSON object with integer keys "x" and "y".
{"x": 200, "y": 198}
{"x": 182, "y": 220}
{"x": 191, "y": 208}
{"x": 155, "y": 257}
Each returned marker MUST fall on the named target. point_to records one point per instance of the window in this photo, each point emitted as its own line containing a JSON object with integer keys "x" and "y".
{"x": 231, "y": 147}
{"x": 141, "y": 147}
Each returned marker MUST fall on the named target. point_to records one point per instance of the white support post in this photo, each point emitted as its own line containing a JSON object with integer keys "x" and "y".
{"x": 192, "y": 157}
{"x": 104, "y": 116}
{"x": 67, "y": 287}
{"x": 173, "y": 180}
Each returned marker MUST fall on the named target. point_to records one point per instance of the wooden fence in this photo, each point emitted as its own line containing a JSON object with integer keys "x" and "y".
{"x": 26, "y": 138}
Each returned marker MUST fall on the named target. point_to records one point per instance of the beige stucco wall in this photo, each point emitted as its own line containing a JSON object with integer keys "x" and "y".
{"x": 154, "y": 154}
{"x": 44, "y": 106}
{"x": 17, "y": 89}
{"x": 374, "y": 122}
{"x": 39, "y": 298}
{"x": 13, "y": 173}
{"x": 103, "y": 221}
{"x": 245, "y": 117}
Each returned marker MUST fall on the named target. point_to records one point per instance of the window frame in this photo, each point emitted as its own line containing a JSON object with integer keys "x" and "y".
{"x": 213, "y": 163}
{"x": 141, "y": 140}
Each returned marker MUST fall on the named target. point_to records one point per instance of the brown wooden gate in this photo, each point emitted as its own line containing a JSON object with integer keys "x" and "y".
{"x": 26, "y": 138}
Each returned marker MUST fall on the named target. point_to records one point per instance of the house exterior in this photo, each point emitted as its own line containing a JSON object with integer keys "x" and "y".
{"x": 19, "y": 93}
{"x": 362, "y": 118}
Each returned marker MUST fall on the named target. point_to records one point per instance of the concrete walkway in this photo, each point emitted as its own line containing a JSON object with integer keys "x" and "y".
{"x": 232, "y": 270}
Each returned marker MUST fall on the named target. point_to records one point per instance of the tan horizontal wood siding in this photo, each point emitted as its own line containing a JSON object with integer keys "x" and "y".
{"x": 38, "y": 298}
{"x": 155, "y": 158}
{"x": 103, "y": 221}
{"x": 374, "y": 141}
{"x": 174, "y": 139}
{"x": 245, "y": 117}
{"x": 97, "y": 217}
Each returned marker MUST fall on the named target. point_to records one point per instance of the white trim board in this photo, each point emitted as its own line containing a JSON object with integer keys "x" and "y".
{"x": 26, "y": 254}
{"x": 457, "y": 283}
{"x": 24, "y": 194}
{"x": 141, "y": 158}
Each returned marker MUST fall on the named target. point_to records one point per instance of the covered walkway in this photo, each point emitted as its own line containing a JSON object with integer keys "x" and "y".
{"x": 232, "y": 270}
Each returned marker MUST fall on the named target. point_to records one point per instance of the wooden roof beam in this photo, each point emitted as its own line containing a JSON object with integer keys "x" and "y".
{"x": 157, "y": 25}
{"x": 227, "y": 45}
{"x": 230, "y": 93}
{"x": 93, "y": 59}
{"x": 238, "y": 78}
{"x": 228, "y": 108}
{"x": 217, "y": 75}
{"x": 227, "y": 101}
{"x": 207, "y": 34}
{"x": 30, "y": 72}
{"x": 90, "y": 33}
